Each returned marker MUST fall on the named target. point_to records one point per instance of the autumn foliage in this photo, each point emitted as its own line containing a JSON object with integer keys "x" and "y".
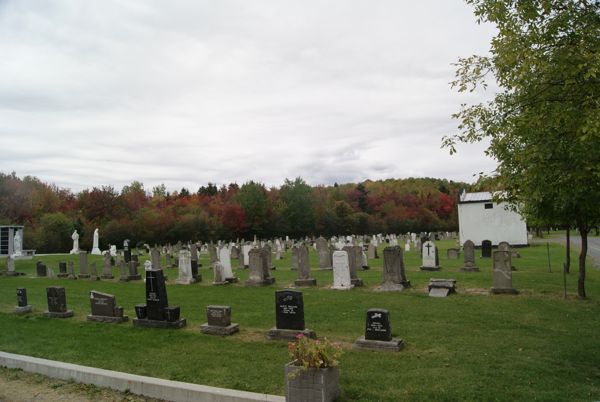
{"x": 50, "y": 214}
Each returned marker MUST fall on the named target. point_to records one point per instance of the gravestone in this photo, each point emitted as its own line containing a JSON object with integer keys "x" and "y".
{"x": 486, "y": 249}
{"x": 71, "y": 269}
{"x": 504, "y": 246}
{"x": 40, "y": 269}
{"x": 195, "y": 272}
{"x": 155, "y": 258}
{"x": 324, "y": 254}
{"x": 219, "y": 321}
{"x": 225, "y": 260}
{"x": 105, "y": 309}
{"x": 218, "y": 274}
{"x": 106, "y": 268}
{"x": 62, "y": 270}
{"x": 452, "y": 254}
{"x": 294, "y": 258}
{"x": 378, "y": 332}
{"x": 394, "y": 276}
{"x": 502, "y": 274}
{"x": 304, "y": 278}
{"x": 341, "y": 271}
{"x": 235, "y": 252}
{"x": 365, "y": 261}
{"x": 372, "y": 252}
{"x": 57, "y": 303}
{"x": 430, "y": 257}
{"x": 289, "y": 316}
{"x": 441, "y": 287}
{"x": 156, "y": 313}
{"x": 134, "y": 275}
{"x": 269, "y": 256}
{"x": 83, "y": 267}
{"x": 93, "y": 272}
{"x": 246, "y": 255}
{"x": 193, "y": 252}
{"x": 259, "y": 271}
{"x": 22, "y": 307}
{"x": 469, "y": 257}
{"x": 127, "y": 255}
{"x": 212, "y": 253}
{"x": 185, "y": 268}
{"x": 124, "y": 272}
{"x": 169, "y": 263}
{"x": 355, "y": 263}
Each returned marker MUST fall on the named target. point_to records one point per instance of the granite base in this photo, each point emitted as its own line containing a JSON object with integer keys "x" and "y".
{"x": 216, "y": 330}
{"x": 52, "y": 314}
{"x": 305, "y": 282}
{"x": 505, "y": 291}
{"x": 143, "y": 322}
{"x": 101, "y": 318}
{"x": 430, "y": 268}
{"x": 289, "y": 334}
{"x": 384, "y": 346}
{"x": 23, "y": 310}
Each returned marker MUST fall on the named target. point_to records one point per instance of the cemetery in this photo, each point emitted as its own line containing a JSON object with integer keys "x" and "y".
{"x": 419, "y": 347}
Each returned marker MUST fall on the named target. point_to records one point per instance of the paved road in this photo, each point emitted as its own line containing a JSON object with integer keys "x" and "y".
{"x": 593, "y": 247}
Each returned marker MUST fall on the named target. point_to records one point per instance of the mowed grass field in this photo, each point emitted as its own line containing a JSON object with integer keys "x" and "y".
{"x": 469, "y": 346}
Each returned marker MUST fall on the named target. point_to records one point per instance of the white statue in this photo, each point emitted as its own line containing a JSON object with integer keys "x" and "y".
{"x": 113, "y": 250}
{"x": 95, "y": 249}
{"x": 18, "y": 244}
{"x": 75, "y": 237}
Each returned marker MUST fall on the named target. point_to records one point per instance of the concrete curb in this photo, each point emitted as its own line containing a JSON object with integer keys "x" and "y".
{"x": 147, "y": 386}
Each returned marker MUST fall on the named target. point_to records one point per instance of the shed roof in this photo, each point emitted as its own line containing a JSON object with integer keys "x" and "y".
{"x": 483, "y": 196}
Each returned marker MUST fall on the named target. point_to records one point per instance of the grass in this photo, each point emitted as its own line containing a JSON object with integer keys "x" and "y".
{"x": 470, "y": 346}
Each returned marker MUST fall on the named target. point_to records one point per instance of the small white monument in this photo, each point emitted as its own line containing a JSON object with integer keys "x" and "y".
{"x": 341, "y": 271}
{"x": 75, "y": 237}
{"x": 185, "y": 268}
{"x": 95, "y": 249}
{"x": 430, "y": 257}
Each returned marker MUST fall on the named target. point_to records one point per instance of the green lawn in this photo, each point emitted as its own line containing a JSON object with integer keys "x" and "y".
{"x": 469, "y": 346}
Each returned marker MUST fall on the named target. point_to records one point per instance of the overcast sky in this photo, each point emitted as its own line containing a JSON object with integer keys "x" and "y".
{"x": 186, "y": 92}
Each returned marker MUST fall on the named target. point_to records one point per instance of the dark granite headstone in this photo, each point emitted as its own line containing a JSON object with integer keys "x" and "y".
{"x": 41, "y": 269}
{"x": 133, "y": 271}
{"x": 57, "y": 302}
{"x": 195, "y": 274}
{"x": 156, "y": 295}
{"x": 378, "y": 333}
{"x": 127, "y": 255}
{"x": 486, "y": 249}
{"x": 289, "y": 309}
{"x": 21, "y": 297}
{"x": 104, "y": 308}
{"x": 289, "y": 316}
{"x": 156, "y": 312}
{"x": 378, "y": 325}
{"x": 62, "y": 269}
{"x": 22, "y": 306}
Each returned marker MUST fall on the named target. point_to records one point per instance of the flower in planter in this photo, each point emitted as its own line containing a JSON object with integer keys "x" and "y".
{"x": 311, "y": 353}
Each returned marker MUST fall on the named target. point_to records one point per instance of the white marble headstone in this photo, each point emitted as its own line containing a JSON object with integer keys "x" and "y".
{"x": 341, "y": 271}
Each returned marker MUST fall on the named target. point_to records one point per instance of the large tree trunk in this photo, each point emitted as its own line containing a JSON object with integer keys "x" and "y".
{"x": 583, "y": 231}
{"x": 568, "y": 262}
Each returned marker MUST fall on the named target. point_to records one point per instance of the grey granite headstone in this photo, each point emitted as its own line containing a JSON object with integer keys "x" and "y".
{"x": 83, "y": 267}
{"x": 452, "y": 254}
{"x": 469, "y": 257}
{"x": 354, "y": 263}
{"x": 441, "y": 287}
{"x": 324, "y": 254}
{"x": 219, "y": 321}
{"x": 394, "y": 277}
{"x": 106, "y": 268}
{"x": 259, "y": 271}
{"x": 502, "y": 274}
{"x": 304, "y": 278}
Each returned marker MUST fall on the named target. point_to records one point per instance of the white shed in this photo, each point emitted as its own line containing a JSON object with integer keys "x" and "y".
{"x": 479, "y": 218}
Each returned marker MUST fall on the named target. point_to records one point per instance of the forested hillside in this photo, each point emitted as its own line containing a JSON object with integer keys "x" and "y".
{"x": 50, "y": 214}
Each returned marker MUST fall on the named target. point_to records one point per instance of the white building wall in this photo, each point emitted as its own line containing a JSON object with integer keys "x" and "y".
{"x": 496, "y": 224}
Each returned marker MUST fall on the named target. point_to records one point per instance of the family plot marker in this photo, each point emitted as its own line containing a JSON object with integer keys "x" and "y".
{"x": 105, "y": 309}
{"x": 156, "y": 313}
{"x": 219, "y": 321}
{"x": 57, "y": 303}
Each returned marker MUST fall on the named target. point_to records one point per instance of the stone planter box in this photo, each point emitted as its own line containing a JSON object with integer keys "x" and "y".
{"x": 311, "y": 385}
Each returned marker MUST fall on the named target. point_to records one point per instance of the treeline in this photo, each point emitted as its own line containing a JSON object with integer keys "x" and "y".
{"x": 50, "y": 214}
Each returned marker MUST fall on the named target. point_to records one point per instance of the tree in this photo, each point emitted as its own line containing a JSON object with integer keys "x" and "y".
{"x": 54, "y": 233}
{"x": 252, "y": 197}
{"x": 544, "y": 122}
{"x": 298, "y": 209}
